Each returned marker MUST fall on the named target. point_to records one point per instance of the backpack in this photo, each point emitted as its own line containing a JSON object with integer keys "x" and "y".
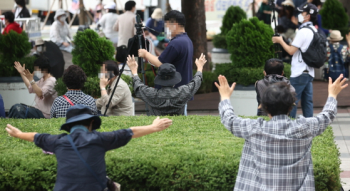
{"x": 316, "y": 55}
{"x": 336, "y": 63}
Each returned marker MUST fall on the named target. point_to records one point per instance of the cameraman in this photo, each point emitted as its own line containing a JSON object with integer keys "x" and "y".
{"x": 302, "y": 75}
{"x": 179, "y": 51}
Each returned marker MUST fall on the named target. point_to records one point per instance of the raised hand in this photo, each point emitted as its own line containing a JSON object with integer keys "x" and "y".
{"x": 28, "y": 75}
{"x": 161, "y": 124}
{"x": 200, "y": 62}
{"x": 19, "y": 67}
{"x": 132, "y": 64}
{"x": 13, "y": 131}
{"x": 335, "y": 88}
{"x": 224, "y": 88}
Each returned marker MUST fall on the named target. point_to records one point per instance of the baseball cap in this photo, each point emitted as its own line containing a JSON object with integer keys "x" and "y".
{"x": 309, "y": 8}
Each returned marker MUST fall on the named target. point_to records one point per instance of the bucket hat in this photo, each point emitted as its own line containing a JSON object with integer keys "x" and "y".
{"x": 157, "y": 14}
{"x": 288, "y": 3}
{"x": 335, "y": 36}
{"x": 79, "y": 113}
{"x": 39, "y": 42}
{"x": 60, "y": 12}
{"x": 110, "y": 5}
{"x": 167, "y": 75}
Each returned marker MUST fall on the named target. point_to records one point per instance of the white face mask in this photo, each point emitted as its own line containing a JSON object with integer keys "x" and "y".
{"x": 62, "y": 18}
{"x": 168, "y": 33}
{"x": 38, "y": 74}
{"x": 3, "y": 22}
{"x": 39, "y": 48}
{"x": 300, "y": 18}
{"x": 101, "y": 75}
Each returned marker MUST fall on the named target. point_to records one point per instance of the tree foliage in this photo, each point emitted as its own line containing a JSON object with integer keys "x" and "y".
{"x": 14, "y": 47}
{"x": 90, "y": 51}
{"x": 234, "y": 14}
{"x": 334, "y": 16}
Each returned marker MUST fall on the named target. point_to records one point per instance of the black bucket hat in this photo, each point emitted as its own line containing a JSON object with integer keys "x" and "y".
{"x": 79, "y": 113}
{"x": 167, "y": 75}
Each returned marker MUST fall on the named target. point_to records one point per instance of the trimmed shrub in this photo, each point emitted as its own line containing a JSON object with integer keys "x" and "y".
{"x": 91, "y": 86}
{"x": 14, "y": 47}
{"x": 195, "y": 153}
{"x": 219, "y": 41}
{"x": 246, "y": 76}
{"x": 90, "y": 51}
{"x": 332, "y": 11}
{"x": 234, "y": 14}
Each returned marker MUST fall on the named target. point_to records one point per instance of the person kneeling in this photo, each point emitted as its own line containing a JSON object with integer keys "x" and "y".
{"x": 277, "y": 153}
{"x": 167, "y": 100}
{"x": 273, "y": 73}
{"x": 81, "y": 154}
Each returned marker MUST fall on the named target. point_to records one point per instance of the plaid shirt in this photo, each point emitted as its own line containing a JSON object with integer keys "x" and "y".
{"x": 276, "y": 153}
{"x": 61, "y": 105}
{"x": 167, "y": 100}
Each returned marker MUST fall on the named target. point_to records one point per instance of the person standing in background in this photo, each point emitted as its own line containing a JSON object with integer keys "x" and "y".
{"x": 21, "y": 10}
{"x": 107, "y": 22}
{"x": 125, "y": 24}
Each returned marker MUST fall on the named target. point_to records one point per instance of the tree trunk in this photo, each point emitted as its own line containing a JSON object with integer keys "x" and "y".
{"x": 194, "y": 12}
{"x": 82, "y": 16}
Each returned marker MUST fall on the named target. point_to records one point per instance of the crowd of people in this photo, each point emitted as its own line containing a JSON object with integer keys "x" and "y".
{"x": 280, "y": 148}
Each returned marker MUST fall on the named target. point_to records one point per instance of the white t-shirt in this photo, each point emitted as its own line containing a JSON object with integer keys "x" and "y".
{"x": 107, "y": 22}
{"x": 302, "y": 40}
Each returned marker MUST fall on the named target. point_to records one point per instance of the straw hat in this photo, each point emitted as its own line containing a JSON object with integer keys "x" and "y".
{"x": 335, "y": 36}
{"x": 288, "y": 3}
{"x": 39, "y": 42}
{"x": 157, "y": 14}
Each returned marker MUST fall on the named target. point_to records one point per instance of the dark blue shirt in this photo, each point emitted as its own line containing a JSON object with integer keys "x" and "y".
{"x": 179, "y": 52}
{"x": 72, "y": 174}
{"x": 2, "y": 107}
{"x": 155, "y": 25}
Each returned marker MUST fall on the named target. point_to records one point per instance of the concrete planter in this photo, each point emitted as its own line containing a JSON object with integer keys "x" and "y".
{"x": 13, "y": 91}
{"x": 220, "y": 56}
{"x": 243, "y": 100}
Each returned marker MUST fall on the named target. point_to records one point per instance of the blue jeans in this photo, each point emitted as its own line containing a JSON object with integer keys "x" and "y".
{"x": 304, "y": 91}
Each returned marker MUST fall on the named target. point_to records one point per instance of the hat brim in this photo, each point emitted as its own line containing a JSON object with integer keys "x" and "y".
{"x": 170, "y": 82}
{"x": 95, "y": 125}
{"x": 335, "y": 39}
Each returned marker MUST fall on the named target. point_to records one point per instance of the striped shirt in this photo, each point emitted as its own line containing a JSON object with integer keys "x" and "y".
{"x": 276, "y": 153}
{"x": 167, "y": 100}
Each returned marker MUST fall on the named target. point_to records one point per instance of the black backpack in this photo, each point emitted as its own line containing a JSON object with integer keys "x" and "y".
{"x": 316, "y": 55}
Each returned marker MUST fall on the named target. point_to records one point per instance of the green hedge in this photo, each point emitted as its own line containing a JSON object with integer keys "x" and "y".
{"x": 246, "y": 76}
{"x": 196, "y": 153}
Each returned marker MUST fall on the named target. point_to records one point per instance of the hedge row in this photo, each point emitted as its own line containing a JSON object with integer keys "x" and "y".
{"x": 196, "y": 153}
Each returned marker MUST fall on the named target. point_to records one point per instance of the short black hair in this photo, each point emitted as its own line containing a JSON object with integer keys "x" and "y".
{"x": 274, "y": 66}
{"x": 85, "y": 123}
{"x": 74, "y": 77}
{"x": 112, "y": 66}
{"x": 278, "y": 99}
{"x": 9, "y": 16}
{"x": 313, "y": 18}
{"x": 129, "y": 5}
{"x": 43, "y": 63}
{"x": 21, "y": 3}
{"x": 316, "y": 2}
{"x": 175, "y": 16}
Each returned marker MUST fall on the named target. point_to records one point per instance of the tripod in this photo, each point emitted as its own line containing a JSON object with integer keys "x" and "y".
{"x": 134, "y": 45}
{"x": 277, "y": 46}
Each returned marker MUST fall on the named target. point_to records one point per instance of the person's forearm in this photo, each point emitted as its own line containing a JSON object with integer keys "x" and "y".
{"x": 26, "y": 136}
{"x": 200, "y": 69}
{"x": 37, "y": 90}
{"x": 153, "y": 59}
{"x": 287, "y": 48}
{"x": 25, "y": 80}
{"x": 142, "y": 131}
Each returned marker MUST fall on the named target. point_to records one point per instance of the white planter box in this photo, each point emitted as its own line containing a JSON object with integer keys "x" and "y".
{"x": 244, "y": 102}
{"x": 220, "y": 56}
{"x": 15, "y": 92}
